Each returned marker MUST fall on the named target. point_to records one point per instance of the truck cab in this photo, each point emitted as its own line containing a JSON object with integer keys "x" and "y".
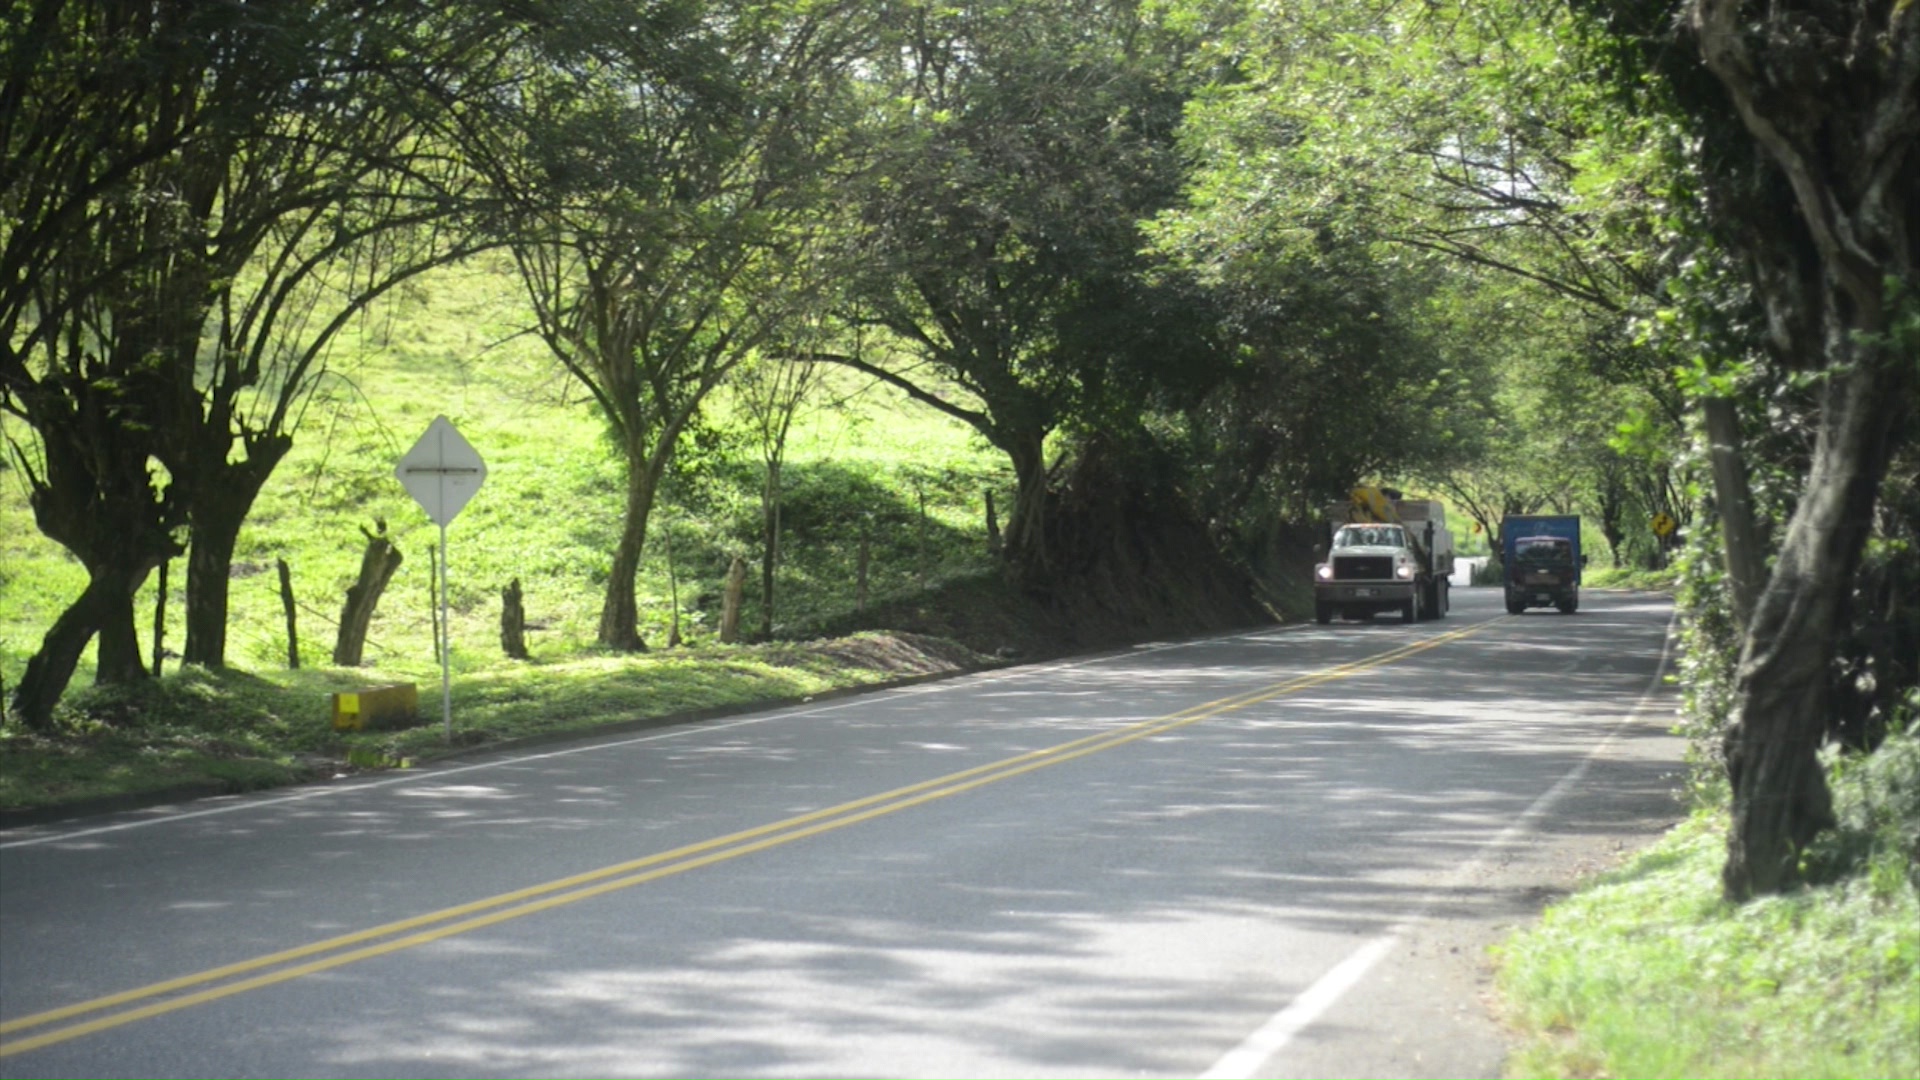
{"x": 1542, "y": 562}
{"x": 1384, "y": 554}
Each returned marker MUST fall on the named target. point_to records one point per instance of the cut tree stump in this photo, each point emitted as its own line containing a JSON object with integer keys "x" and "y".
{"x": 513, "y": 621}
{"x": 377, "y": 566}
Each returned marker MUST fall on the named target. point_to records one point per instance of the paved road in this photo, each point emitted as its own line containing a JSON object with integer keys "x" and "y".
{"x": 1278, "y": 853}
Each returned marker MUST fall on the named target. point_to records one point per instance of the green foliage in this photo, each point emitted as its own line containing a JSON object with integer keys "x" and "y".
{"x": 549, "y": 512}
{"x": 1877, "y": 801}
{"x": 997, "y": 243}
{"x": 1649, "y": 973}
{"x": 1708, "y": 653}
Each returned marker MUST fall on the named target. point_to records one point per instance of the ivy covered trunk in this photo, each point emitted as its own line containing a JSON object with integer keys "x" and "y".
{"x": 1780, "y": 797}
{"x": 1819, "y": 180}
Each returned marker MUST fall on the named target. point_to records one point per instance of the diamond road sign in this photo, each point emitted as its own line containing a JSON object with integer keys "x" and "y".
{"x": 442, "y": 471}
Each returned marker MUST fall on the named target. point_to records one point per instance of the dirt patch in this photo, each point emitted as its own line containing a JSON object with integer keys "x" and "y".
{"x": 1121, "y": 564}
{"x": 904, "y": 653}
{"x": 897, "y": 654}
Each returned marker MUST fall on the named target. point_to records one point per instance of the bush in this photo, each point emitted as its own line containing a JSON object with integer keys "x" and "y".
{"x": 1876, "y": 798}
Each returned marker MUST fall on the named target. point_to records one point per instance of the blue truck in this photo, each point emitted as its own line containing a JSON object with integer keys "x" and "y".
{"x": 1540, "y": 561}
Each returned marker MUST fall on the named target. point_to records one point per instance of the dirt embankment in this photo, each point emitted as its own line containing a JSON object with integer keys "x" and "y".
{"x": 1121, "y": 563}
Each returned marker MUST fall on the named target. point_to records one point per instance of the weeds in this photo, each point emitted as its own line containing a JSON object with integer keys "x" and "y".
{"x": 1650, "y": 973}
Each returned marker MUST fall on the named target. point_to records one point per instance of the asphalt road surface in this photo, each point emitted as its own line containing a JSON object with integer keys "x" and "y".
{"x": 1279, "y": 853}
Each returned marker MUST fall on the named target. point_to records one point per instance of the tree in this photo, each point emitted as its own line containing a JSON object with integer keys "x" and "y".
{"x": 772, "y": 388}
{"x": 1823, "y": 162}
{"x": 997, "y": 239}
{"x": 110, "y": 111}
{"x": 677, "y": 239}
{"x": 1339, "y": 376}
{"x": 200, "y": 196}
{"x": 1801, "y": 120}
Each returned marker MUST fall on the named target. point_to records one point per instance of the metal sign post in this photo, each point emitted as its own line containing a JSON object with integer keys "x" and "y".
{"x": 442, "y": 472}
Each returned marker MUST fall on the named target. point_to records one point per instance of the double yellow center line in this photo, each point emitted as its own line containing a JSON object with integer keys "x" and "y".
{"x": 273, "y": 968}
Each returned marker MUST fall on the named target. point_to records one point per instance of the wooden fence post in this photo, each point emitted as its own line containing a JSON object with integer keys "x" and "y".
{"x": 730, "y": 609}
{"x": 286, "y": 603}
{"x": 160, "y": 620}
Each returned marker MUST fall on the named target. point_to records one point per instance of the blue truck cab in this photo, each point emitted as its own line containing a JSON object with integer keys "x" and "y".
{"x": 1540, "y": 561}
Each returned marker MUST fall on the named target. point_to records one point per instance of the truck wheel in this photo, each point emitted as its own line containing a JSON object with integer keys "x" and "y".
{"x": 1410, "y": 610}
{"x": 1440, "y": 609}
{"x": 1323, "y": 613}
{"x": 1515, "y": 607}
{"x": 1568, "y": 606}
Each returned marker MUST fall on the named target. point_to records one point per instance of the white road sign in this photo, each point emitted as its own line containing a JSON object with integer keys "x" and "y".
{"x": 442, "y": 471}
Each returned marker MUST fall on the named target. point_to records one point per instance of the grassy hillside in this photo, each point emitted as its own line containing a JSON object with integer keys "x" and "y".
{"x": 863, "y": 459}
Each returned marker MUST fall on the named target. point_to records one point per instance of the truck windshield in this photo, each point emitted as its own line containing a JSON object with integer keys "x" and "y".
{"x": 1542, "y": 549}
{"x": 1369, "y": 536}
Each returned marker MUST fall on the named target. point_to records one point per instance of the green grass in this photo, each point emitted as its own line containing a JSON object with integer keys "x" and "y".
{"x": 1648, "y": 972}
{"x": 1623, "y": 577}
{"x": 232, "y": 731}
{"x": 865, "y": 461}
{"x": 863, "y": 464}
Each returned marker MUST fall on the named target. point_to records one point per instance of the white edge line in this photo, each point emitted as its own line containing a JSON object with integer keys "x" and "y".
{"x": 1241, "y": 1062}
{"x": 431, "y": 774}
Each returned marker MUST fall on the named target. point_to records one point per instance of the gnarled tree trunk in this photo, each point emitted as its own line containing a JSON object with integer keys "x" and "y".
{"x": 98, "y": 498}
{"x": 1827, "y": 95}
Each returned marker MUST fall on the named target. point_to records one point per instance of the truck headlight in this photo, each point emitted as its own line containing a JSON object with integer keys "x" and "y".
{"x": 1324, "y": 571}
{"x": 1404, "y": 571}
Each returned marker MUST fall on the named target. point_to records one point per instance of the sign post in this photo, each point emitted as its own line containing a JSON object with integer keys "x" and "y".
{"x": 442, "y": 472}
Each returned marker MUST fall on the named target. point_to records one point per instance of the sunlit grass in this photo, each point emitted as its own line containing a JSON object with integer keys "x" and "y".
{"x": 865, "y": 467}
{"x": 1622, "y": 577}
{"x": 1649, "y": 972}
{"x": 233, "y": 731}
{"x": 862, "y": 462}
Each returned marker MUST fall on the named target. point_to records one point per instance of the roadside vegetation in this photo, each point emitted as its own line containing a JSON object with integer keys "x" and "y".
{"x": 1650, "y": 971}
{"x": 863, "y": 470}
{"x": 952, "y": 332}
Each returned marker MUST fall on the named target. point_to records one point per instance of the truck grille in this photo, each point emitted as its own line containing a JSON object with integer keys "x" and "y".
{"x": 1363, "y": 568}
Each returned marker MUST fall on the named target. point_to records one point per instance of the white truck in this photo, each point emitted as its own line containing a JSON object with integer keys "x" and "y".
{"x": 1385, "y": 552}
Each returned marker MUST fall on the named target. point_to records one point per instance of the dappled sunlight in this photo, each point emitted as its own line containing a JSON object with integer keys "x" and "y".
{"x": 1162, "y": 889}
{"x": 453, "y": 791}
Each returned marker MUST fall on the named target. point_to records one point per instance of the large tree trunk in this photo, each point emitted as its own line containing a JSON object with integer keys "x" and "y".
{"x": 1780, "y": 797}
{"x": 1025, "y": 540}
{"x": 1826, "y": 93}
{"x": 209, "y": 568}
{"x": 118, "y": 659}
{"x": 619, "y": 611}
{"x": 51, "y": 668}
{"x": 222, "y": 498}
{"x": 98, "y": 499}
